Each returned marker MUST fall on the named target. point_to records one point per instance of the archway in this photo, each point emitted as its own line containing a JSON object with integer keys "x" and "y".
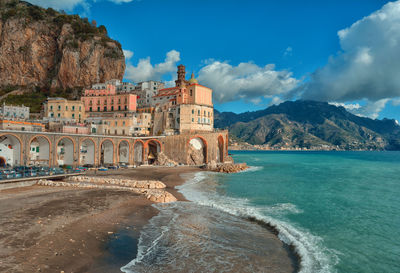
{"x": 123, "y": 152}
{"x": 65, "y": 152}
{"x": 10, "y": 148}
{"x": 107, "y": 152}
{"x": 220, "y": 155}
{"x": 153, "y": 149}
{"x": 138, "y": 153}
{"x": 87, "y": 153}
{"x": 39, "y": 151}
{"x": 197, "y": 153}
{"x": 2, "y": 162}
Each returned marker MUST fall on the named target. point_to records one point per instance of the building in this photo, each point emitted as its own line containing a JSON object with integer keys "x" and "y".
{"x": 21, "y": 125}
{"x": 145, "y": 92}
{"x": 185, "y": 108}
{"x": 100, "y": 101}
{"x": 63, "y": 110}
{"x": 69, "y": 128}
{"x": 11, "y": 112}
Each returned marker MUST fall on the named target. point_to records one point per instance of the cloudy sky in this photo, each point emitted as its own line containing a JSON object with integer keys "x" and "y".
{"x": 255, "y": 53}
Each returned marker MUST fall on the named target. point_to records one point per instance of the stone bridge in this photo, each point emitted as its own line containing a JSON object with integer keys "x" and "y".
{"x": 57, "y": 149}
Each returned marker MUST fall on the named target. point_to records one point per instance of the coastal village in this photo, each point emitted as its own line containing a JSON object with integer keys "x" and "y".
{"x": 117, "y": 124}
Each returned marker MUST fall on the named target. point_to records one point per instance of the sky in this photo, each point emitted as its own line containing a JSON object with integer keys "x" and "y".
{"x": 257, "y": 53}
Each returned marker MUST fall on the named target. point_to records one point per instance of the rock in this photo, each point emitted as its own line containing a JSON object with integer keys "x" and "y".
{"x": 226, "y": 167}
{"x": 196, "y": 157}
{"x": 163, "y": 160}
{"x": 50, "y": 52}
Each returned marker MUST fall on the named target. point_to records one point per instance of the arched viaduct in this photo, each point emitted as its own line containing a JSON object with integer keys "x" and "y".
{"x": 55, "y": 149}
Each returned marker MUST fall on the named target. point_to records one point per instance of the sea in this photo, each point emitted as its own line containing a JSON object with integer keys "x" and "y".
{"x": 332, "y": 212}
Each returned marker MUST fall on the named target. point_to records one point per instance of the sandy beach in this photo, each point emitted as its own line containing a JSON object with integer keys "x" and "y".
{"x": 56, "y": 229}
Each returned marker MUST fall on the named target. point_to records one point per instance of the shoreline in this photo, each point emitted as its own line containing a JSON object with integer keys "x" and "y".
{"x": 54, "y": 229}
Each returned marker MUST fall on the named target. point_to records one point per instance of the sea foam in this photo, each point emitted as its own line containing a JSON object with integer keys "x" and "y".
{"x": 314, "y": 257}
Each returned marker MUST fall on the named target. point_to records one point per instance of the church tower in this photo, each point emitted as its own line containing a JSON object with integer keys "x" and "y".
{"x": 181, "y": 81}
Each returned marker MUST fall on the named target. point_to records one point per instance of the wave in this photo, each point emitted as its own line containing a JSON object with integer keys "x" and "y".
{"x": 314, "y": 257}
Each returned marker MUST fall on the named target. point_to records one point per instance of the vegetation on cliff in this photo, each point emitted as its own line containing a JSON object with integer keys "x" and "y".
{"x": 310, "y": 124}
{"x": 43, "y": 50}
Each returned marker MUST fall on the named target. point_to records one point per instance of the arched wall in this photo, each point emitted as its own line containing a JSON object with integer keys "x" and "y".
{"x": 67, "y": 157}
{"x": 123, "y": 151}
{"x": 13, "y": 156}
{"x": 43, "y": 156}
{"x": 87, "y": 151}
{"x": 106, "y": 151}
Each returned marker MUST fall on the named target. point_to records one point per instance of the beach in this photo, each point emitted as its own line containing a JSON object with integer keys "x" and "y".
{"x": 56, "y": 229}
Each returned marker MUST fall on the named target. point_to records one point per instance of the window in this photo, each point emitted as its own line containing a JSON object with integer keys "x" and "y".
{"x": 204, "y": 112}
{"x": 119, "y": 107}
{"x": 119, "y": 101}
{"x": 51, "y": 107}
{"x": 192, "y": 119}
{"x": 209, "y": 114}
{"x": 116, "y": 123}
{"x": 198, "y": 120}
{"x": 98, "y": 109}
{"x": 198, "y": 112}
{"x": 115, "y": 132}
{"x": 66, "y": 108}
{"x": 73, "y": 108}
{"x": 52, "y": 115}
{"x": 58, "y": 115}
{"x": 112, "y": 108}
{"x": 73, "y": 115}
{"x": 191, "y": 92}
{"x": 123, "y": 123}
{"x": 126, "y": 107}
{"x": 193, "y": 111}
{"x": 90, "y": 109}
{"x": 105, "y": 108}
{"x": 59, "y": 107}
{"x": 112, "y": 101}
{"x": 123, "y": 132}
{"x": 80, "y": 108}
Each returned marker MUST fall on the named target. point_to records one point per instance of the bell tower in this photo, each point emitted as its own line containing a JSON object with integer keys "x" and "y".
{"x": 181, "y": 76}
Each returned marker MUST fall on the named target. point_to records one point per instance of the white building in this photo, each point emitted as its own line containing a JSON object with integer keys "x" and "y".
{"x": 14, "y": 112}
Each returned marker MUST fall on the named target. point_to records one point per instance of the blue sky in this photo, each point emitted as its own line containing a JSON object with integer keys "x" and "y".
{"x": 254, "y": 53}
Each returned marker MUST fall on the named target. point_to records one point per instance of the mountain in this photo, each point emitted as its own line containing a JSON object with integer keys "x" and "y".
{"x": 48, "y": 49}
{"x": 310, "y": 124}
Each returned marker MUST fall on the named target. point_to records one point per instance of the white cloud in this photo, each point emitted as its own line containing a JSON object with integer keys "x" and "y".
{"x": 288, "y": 51}
{"x": 128, "y": 54}
{"x": 144, "y": 70}
{"x": 69, "y": 5}
{"x": 370, "y": 109}
{"x": 368, "y": 66}
{"x": 246, "y": 81}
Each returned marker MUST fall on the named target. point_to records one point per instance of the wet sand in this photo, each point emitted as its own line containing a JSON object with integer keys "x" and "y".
{"x": 45, "y": 229}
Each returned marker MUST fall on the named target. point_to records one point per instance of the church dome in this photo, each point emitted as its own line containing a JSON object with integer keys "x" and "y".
{"x": 193, "y": 79}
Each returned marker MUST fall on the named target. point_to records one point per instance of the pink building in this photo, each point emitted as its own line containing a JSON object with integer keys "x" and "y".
{"x": 107, "y": 100}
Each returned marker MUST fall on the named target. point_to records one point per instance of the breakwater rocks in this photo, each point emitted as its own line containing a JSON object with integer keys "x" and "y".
{"x": 226, "y": 167}
{"x": 153, "y": 190}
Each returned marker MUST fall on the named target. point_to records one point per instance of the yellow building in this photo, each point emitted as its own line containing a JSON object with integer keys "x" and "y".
{"x": 132, "y": 124}
{"x": 60, "y": 109}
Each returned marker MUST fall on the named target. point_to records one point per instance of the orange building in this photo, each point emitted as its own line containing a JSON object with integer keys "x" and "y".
{"x": 107, "y": 100}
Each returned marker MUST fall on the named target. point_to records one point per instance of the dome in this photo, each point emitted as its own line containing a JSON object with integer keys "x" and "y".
{"x": 193, "y": 79}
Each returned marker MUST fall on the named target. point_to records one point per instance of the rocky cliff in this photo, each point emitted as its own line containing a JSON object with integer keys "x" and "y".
{"x": 44, "y": 48}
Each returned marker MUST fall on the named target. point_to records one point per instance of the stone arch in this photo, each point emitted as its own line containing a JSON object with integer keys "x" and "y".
{"x": 11, "y": 149}
{"x": 153, "y": 147}
{"x": 87, "y": 152}
{"x": 221, "y": 148}
{"x": 123, "y": 151}
{"x": 39, "y": 150}
{"x": 197, "y": 151}
{"x": 65, "y": 151}
{"x": 3, "y": 162}
{"x": 138, "y": 152}
{"x": 106, "y": 152}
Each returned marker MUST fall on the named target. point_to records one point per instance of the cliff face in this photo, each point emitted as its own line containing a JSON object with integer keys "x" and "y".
{"x": 44, "y": 48}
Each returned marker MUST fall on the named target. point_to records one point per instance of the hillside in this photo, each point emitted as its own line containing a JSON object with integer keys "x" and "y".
{"x": 310, "y": 124}
{"x": 44, "y": 50}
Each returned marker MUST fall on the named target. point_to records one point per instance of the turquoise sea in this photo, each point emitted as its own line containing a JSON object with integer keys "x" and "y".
{"x": 340, "y": 211}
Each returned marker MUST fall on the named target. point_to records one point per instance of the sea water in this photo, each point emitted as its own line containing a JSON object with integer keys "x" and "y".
{"x": 339, "y": 210}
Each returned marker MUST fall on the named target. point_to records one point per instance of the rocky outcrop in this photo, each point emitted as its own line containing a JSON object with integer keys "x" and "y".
{"x": 151, "y": 189}
{"x": 226, "y": 167}
{"x": 44, "y": 48}
{"x": 163, "y": 160}
{"x": 195, "y": 156}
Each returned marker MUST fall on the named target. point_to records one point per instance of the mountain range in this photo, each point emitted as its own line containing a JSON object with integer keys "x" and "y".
{"x": 310, "y": 125}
